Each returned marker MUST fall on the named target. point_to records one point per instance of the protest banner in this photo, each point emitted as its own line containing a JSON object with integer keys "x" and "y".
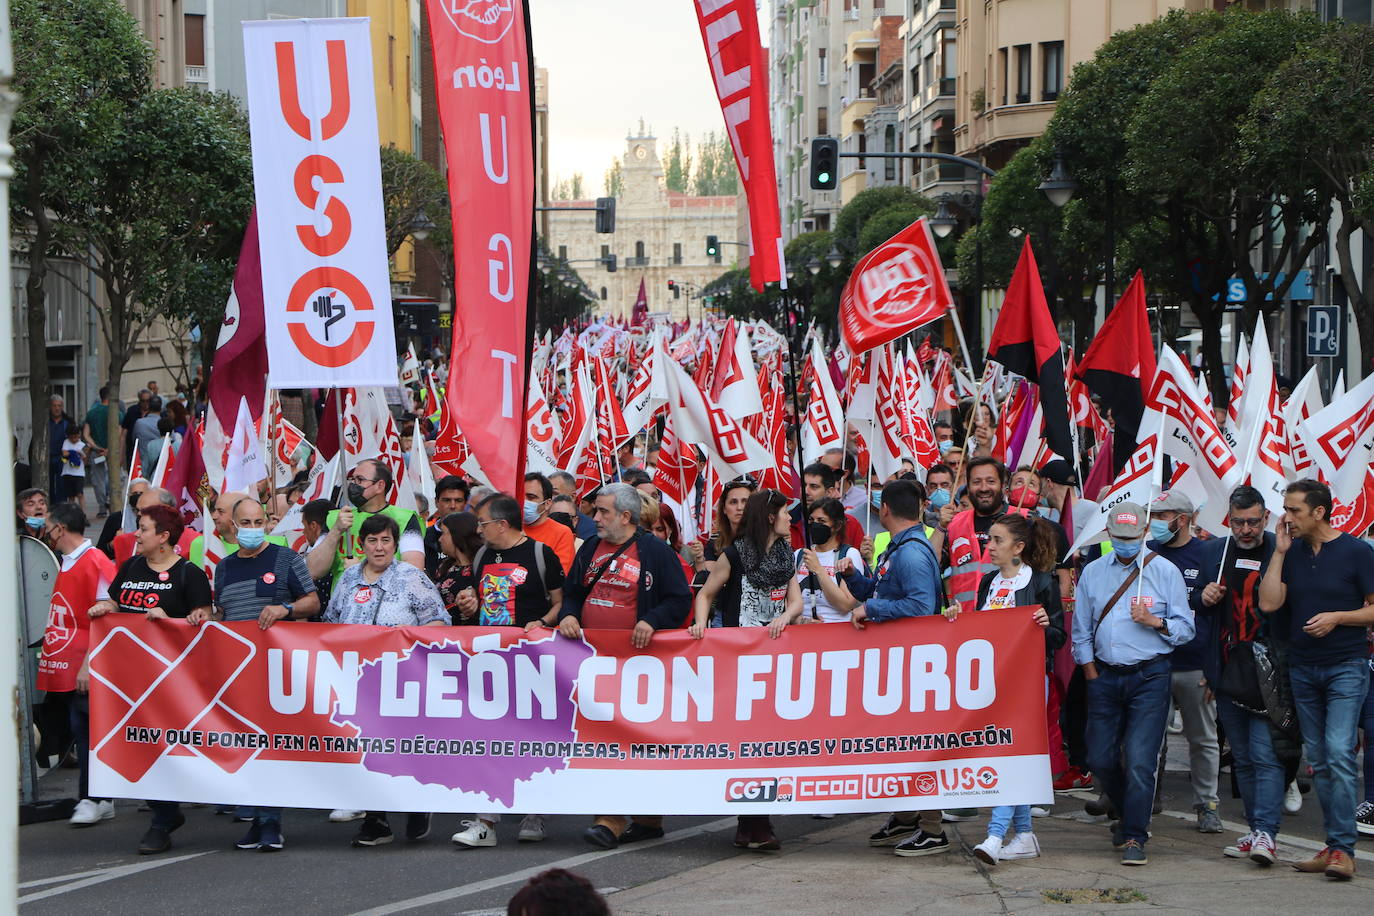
{"x": 909, "y": 714}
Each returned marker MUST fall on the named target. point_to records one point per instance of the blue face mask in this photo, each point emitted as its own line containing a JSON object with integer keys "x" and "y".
{"x": 531, "y": 512}
{"x": 1126, "y": 549}
{"x": 876, "y": 498}
{"x": 33, "y": 522}
{"x": 939, "y": 498}
{"x": 945, "y": 445}
{"x": 1161, "y": 532}
{"x": 252, "y": 538}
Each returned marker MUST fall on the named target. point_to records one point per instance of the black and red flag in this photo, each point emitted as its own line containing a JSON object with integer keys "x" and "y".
{"x": 1026, "y": 342}
{"x": 1120, "y": 364}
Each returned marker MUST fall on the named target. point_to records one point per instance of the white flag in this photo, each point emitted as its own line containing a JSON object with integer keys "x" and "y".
{"x": 823, "y": 425}
{"x": 246, "y": 465}
{"x": 1340, "y": 440}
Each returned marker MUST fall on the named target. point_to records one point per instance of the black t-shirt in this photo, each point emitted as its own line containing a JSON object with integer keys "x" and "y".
{"x": 1336, "y": 578}
{"x": 1240, "y": 618}
{"x": 982, "y": 529}
{"x": 451, "y": 579}
{"x": 138, "y": 588}
{"x": 508, "y": 586}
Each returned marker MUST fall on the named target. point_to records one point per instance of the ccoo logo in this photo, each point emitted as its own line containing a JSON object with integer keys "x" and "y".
{"x": 486, "y": 21}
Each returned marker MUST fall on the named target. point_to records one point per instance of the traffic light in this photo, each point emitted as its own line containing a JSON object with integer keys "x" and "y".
{"x": 825, "y": 158}
{"x": 605, "y": 214}
{"x": 610, "y": 263}
{"x": 712, "y": 246}
{"x": 675, "y": 289}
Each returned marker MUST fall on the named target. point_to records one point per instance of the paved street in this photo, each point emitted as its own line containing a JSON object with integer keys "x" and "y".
{"x": 692, "y": 870}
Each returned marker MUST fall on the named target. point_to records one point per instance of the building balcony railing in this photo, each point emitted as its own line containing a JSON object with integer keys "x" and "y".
{"x": 197, "y": 74}
{"x": 636, "y": 262}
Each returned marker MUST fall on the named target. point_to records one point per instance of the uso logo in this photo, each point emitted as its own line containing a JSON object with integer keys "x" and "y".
{"x": 986, "y": 778}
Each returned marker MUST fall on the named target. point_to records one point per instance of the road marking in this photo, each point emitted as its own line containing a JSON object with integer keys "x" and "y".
{"x": 476, "y": 887}
{"x": 1284, "y": 839}
{"x": 95, "y": 876}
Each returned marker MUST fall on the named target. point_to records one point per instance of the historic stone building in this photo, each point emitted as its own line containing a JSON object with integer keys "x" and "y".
{"x": 660, "y": 235}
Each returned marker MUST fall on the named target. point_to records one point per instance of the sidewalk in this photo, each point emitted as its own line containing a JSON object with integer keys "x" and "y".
{"x": 834, "y": 869}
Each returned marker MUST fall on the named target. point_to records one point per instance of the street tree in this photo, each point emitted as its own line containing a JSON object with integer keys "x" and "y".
{"x": 410, "y": 186}
{"x": 78, "y": 65}
{"x": 677, "y": 171}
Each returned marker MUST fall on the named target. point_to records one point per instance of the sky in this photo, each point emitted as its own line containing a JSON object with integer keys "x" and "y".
{"x": 612, "y": 62}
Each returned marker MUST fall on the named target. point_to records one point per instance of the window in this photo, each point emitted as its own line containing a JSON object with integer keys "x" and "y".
{"x": 890, "y": 146}
{"x": 822, "y": 122}
{"x": 1002, "y": 62}
{"x": 822, "y": 67}
{"x": 1052, "y": 77}
{"x": 562, "y": 252}
{"x": 603, "y": 294}
{"x": 195, "y": 40}
{"x": 605, "y": 252}
{"x": 863, "y": 148}
{"x": 677, "y": 252}
{"x": 866, "y": 74}
{"x": 949, "y": 61}
{"x": 639, "y": 250}
{"x": 1023, "y": 74}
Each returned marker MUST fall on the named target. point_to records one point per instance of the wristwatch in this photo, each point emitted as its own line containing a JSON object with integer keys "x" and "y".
{"x": 1164, "y": 626}
{"x": 289, "y": 609}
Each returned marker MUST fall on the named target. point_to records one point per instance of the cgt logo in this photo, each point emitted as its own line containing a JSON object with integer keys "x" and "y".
{"x": 758, "y": 789}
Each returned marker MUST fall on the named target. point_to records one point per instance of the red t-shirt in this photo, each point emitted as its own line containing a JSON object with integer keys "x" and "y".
{"x": 613, "y": 602}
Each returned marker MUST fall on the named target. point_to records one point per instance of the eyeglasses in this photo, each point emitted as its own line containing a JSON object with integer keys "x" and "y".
{"x": 363, "y": 480}
{"x": 490, "y": 521}
{"x": 1247, "y": 522}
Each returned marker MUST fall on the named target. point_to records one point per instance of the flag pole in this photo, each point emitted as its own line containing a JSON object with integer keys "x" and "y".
{"x": 1156, "y": 483}
{"x": 271, "y": 445}
{"x": 796, "y": 411}
{"x": 343, "y": 468}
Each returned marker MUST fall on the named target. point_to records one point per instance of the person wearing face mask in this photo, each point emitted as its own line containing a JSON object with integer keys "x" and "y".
{"x": 1171, "y": 536}
{"x": 940, "y": 486}
{"x": 816, "y": 564}
{"x": 368, "y": 485}
{"x": 31, "y": 507}
{"x": 266, "y": 583}
{"x": 84, "y": 572}
{"x": 538, "y": 525}
{"x": 1132, "y": 612}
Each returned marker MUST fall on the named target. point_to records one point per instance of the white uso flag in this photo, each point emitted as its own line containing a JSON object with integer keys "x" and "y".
{"x": 317, "y": 179}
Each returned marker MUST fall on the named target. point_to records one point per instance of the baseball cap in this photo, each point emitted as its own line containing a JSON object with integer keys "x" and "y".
{"x": 1174, "y": 501}
{"x": 1126, "y": 521}
{"x": 1059, "y": 471}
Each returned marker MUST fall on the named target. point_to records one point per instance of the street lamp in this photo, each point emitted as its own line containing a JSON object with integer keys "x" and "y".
{"x": 1060, "y": 186}
{"x": 943, "y": 222}
{"x": 421, "y": 226}
{"x": 833, "y": 257}
{"x": 814, "y": 265}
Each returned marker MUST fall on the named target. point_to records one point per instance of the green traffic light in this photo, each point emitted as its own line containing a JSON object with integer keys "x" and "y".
{"x": 823, "y": 177}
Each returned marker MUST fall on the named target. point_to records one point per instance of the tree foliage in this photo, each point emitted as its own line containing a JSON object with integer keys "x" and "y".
{"x": 410, "y": 186}
{"x": 677, "y": 170}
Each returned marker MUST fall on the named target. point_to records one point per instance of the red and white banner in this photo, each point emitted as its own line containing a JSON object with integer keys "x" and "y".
{"x": 894, "y": 289}
{"x": 739, "y": 69}
{"x": 318, "y": 183}
{"x": 919, "y": 713}
{"x": 482, "y": 78}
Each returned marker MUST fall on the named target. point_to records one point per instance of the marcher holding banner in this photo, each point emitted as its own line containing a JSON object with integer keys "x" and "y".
{"x": 383, "y": 591}
{"x": 758, "y": 568}
{"x": 1025, "y": 552}
{"x": 623, "y": 579}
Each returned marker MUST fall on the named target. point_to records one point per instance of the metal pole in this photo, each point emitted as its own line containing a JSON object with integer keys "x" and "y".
{"x": 9, "y": 661}
{"x": 1109, "y": 297}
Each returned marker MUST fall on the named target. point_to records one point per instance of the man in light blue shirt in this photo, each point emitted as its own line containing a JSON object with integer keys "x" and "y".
{"x": 1132, "y": 611}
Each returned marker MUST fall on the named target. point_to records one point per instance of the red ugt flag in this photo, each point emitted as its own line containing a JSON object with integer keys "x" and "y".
{"x": 894, "y": 289}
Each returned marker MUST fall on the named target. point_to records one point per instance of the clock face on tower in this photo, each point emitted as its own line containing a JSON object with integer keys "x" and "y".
{"x": 640, "y": 152}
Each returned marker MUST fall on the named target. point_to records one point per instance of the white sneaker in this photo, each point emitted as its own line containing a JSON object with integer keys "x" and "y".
{"x": 475, "y": 833}
{"x": 344, "y": 815}
{"x": 1292, "y": 799}
{"x": 1039, "y": 811}
{"x": 88, "y": 813}
{"x": 990, "y": 850}
{"x": 1242, "y": 847}
{"x": 531, "y": 829}
{"x": 1021, "y": 846}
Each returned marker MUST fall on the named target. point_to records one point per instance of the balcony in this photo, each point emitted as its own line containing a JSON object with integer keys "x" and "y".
{"x": 636, "y": 262}
{"x": 197, "y": 75}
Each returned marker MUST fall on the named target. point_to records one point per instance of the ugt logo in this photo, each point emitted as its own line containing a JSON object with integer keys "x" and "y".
{"x": 486, "y": 21}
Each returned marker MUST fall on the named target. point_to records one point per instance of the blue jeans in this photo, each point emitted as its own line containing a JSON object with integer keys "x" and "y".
{"x": 1258, "y": 771}
{"x": 1367, "y": 723}
{"x": 1009, "y": 816}
{"x": 1127, "y": 712}
{"x": 1329, "y": 699}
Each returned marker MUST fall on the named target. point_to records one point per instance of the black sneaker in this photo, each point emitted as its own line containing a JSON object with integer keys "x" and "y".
{"x": 1364, "y": 816}
{"x": 600, "y": 836}
{"x": 921, "y": 843}
{"x": 374, "y": 831}
{"x": 417, "y": 826}
{"x": 272, "y": 840}
{"x": 157, "y": 839}
{"x": 252, "y": 839}
{"x": 892, "y": 832}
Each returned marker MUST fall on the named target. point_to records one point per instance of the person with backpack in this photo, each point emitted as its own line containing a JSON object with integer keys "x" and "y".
{"x": 816, "y": 564}
{"x": 905, "y": 583}
{"x": 519, "y": 584}
{"x": 623, "y": 578}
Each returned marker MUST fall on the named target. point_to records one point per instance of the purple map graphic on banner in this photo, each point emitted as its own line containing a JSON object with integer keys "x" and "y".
{"x": 451, "y": 702}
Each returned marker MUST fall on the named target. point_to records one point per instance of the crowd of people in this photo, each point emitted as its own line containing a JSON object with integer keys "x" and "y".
{"x": 1257, "y": 641}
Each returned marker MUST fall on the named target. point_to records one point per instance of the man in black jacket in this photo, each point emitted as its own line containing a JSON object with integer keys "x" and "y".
{"x": 623, "y": 579}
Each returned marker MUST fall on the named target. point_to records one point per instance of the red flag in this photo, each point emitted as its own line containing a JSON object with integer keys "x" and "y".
{"x": 1026, "y": 342}
{"x": 488, "y": 135}
{"x": 451, "y": 450}
{"x": 942, "y": 378}
{"x": 640, "y": 314}
{"x": 894, "y": 289}
{"x": 739, "y": 69}
{"x": 187, "y": 480}
{"x": 924, "y": 351}
{"x": 676, "y": 472}
{"x": 1120, "y": 364}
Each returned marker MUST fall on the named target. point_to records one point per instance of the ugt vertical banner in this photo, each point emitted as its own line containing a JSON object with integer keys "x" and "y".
{"x": 317, "y": 177}
{"x": 482, "y": 79}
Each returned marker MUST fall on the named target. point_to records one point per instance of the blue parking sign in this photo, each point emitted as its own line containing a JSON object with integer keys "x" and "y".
{"x": 1323, "y": 330}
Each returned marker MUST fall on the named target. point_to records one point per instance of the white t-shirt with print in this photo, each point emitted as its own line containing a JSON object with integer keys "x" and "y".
{"x": 814, "y": 602}
{"x": 1002, "y": 591}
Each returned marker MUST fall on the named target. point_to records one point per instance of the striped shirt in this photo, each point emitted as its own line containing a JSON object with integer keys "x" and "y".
{"x": 246, "y": 585}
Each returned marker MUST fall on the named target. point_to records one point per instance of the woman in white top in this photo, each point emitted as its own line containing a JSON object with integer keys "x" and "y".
{"x": 816, "y": 564}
